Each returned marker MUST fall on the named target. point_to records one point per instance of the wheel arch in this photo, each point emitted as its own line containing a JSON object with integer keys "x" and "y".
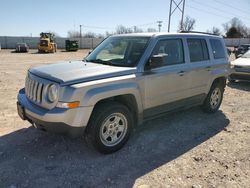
{"x": 128, "y": 100}
{"x": 221, "y": 80}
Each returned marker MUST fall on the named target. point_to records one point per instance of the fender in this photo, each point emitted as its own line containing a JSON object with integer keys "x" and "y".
{"x": 95, "y": 95}
{"x": 218, "y": 73}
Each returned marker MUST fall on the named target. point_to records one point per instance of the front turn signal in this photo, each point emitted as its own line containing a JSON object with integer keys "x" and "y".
{"x": 69, "y": 105}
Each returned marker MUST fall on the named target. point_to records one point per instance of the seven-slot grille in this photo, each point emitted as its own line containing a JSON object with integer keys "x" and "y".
{"x": 34, "y": 90}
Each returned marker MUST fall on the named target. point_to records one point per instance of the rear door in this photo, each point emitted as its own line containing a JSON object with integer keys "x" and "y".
{"x": 200, "y": 64}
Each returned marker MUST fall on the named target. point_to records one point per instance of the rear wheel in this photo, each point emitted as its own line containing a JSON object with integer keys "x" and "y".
{"x": 214, "y": 98}
{"x": 110, "y": 127}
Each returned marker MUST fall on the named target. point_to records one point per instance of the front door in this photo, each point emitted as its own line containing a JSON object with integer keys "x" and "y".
{"x": 169, "y": 81}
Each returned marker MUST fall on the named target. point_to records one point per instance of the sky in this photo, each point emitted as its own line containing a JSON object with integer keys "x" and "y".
{"x": 30, "y": 17}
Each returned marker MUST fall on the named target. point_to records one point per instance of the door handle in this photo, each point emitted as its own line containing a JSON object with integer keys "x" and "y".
{"x": 181, "y": 73}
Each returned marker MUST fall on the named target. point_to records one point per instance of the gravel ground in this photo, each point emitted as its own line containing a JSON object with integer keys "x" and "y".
{"x": 184, "y": 149}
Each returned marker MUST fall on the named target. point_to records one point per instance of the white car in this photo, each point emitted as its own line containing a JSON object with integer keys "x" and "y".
{"x": 241, "y": 68}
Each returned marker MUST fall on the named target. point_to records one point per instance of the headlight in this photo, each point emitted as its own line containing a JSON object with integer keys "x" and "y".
{"x": 52, "y": 93}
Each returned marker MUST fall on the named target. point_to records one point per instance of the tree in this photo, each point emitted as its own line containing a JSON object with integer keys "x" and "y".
{"x": 187, "y": 25}
{"x": 89, "y": 35}
{"x": 120, "y": 29}
{"x": 107, "y": 34}
{"x": 215, "y": 31}
{"x": 74, "y": 34}
{"x": 233, "y": 33}
{"x": 137, "y": 30}
{"x": 235, "y": 28}
{"x": 151, "y": 30}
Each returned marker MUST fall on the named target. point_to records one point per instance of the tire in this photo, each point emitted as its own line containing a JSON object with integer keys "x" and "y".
{"x": 214, "y": 98}
{"x": 110, "y": 126}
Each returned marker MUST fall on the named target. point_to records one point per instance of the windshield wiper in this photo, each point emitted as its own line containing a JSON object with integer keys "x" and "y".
{"x": 100, "y": 61}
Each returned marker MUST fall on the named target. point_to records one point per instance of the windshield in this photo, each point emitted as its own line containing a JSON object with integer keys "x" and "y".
{"x": 246, "y": 55}
{"x": 119, "y": 51}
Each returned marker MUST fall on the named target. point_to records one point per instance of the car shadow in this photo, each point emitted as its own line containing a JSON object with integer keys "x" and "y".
{"x": 241, "y": 85}
{"x": 32, "y": 158}
{"x": 69, "y": 51}
{"x": 18, "y": 52}
{"x": 36, "y": 52}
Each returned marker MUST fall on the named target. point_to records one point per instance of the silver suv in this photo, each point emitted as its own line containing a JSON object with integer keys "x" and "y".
{"x": 125, "y": 80}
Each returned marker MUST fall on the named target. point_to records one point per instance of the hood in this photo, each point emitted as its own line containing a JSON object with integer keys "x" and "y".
{"x": 78, "y": 71}
{"x": 244, "y": 62}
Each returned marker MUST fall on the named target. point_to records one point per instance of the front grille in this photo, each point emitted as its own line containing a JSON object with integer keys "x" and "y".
{"x": 237, "y": 66}
{"x": 34, "y": 90}
{"x": 43, "y": 43}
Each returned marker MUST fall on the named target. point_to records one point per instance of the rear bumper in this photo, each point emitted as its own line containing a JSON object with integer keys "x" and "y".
{"x": 22, "y": 50}
{"x": 66, "y": 121}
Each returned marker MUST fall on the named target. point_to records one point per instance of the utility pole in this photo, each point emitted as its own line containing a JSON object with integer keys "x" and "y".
{"x": 80, "y": 36}
{"x": 174, "y": 5}
{"x": 159, "y": 25}
{"x": 135, "y": 29}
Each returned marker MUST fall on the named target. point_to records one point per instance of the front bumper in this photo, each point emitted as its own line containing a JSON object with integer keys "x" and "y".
{"x": 241, "y": 76}
{"x": 45, "y": 49}
{"x": 67, "y": 121}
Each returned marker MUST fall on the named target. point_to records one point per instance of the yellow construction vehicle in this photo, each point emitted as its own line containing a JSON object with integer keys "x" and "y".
{"x": 47, "y": 43}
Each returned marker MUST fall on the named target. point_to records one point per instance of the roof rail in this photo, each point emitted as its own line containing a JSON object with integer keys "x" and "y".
{"x": 199, "y": 32}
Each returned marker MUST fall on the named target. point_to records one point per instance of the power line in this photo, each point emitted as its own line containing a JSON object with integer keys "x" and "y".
{"x": 97, "y": 27}
{"x": 235, "y": 8}
{"x": 205, "y": 11}
{"x": 215, "y": 8}
{"x": 146, "y": 24}
{"x": 113, "y": 28}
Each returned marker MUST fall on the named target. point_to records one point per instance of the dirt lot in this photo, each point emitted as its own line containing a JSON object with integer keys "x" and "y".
{"x": 186, "y": 149}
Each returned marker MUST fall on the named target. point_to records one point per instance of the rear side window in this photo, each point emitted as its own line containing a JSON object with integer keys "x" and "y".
{"x": 172, "y": 49}
{"x": 218, "y": 49}
{"x": 197, "y": 50}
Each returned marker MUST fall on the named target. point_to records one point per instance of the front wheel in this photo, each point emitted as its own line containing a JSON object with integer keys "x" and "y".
{"x": 110, "y": 126}
{"x": 214, "y": 98}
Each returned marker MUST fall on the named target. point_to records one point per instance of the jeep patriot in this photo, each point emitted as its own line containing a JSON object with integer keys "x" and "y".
{"x": 123, "y": 81}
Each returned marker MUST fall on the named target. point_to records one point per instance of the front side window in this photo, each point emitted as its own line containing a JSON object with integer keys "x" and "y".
{"x": 119, "y": 51}
{"x": 198, "y": 50}
{"x": 171, "y": 50}
{"x": 218, "y": 49}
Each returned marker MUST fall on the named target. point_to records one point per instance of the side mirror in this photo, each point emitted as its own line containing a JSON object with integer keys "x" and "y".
{"x": 89, "y": 52}
{"x": 156, "y": 61}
